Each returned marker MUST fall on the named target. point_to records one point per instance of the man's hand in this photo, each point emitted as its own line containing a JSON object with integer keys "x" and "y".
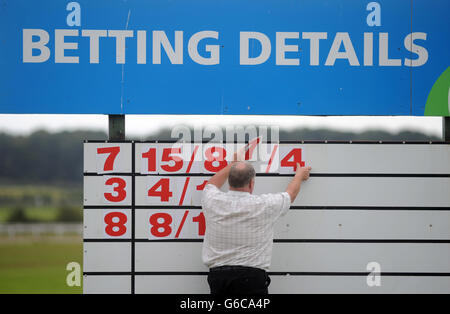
{"x": 235, "y": 157}
{"x": 239, "y": 155}
{"x": 302, "y": 172}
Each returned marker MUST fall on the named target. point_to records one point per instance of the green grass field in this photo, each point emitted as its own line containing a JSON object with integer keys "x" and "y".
{"x": 38, "y": 266}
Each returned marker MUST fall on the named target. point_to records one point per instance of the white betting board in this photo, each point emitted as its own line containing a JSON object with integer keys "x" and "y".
{"x": 365, "y": 203}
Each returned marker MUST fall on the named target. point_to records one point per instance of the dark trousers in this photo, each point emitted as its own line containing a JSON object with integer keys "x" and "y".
{"x": 238, "y": 280}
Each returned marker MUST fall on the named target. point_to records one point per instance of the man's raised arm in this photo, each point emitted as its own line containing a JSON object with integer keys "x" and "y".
{"x": 221, "y": 176}
{"x": 301, "y": 174}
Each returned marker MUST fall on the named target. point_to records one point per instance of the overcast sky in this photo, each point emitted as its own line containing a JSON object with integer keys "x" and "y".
{"x": 141, "y": 125}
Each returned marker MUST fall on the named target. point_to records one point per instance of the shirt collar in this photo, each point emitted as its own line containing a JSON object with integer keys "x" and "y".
{"x": 232, "y": 192}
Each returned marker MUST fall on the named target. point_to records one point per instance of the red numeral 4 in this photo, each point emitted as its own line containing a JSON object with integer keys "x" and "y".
{"x": 292, "y": 158}
{"x": 161, "y": 189}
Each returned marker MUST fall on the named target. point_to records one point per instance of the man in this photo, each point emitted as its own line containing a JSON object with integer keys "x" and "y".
{"x": 238, "y": 241}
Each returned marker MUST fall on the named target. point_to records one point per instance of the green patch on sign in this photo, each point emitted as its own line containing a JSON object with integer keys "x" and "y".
{"x": 438, "y": 101}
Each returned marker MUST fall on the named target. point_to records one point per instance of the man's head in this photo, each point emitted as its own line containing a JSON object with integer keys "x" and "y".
{"x": 242, "y": 177}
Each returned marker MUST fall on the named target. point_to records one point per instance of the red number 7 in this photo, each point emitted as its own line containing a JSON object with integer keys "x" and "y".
{"x": 113, "y": 152}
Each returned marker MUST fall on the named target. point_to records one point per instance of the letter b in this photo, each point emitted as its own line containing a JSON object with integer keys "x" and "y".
{"x": 29, "y": 45}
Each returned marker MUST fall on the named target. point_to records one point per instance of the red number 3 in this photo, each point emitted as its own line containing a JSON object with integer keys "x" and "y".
{"x": 119, "y": 189}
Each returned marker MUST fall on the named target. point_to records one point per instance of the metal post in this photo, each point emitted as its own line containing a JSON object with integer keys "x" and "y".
{"x": 116, "y": 127}
{"x": 446, "y": 129}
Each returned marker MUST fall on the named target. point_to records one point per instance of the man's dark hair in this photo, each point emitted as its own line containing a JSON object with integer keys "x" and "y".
{"x": 241, "y": 173}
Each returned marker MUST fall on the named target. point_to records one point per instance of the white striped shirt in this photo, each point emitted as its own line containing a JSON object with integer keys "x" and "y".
{"x": 239, "y": 226}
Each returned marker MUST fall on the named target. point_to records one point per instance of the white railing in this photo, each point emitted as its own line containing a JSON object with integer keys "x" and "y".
{"x": 38, "y": 229}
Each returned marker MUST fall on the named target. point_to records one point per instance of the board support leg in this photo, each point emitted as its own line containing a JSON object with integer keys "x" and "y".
{"x": 446, "y": 129}
{"x": 116, "y": 128}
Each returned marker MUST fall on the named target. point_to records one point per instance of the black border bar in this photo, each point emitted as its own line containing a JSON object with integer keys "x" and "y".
{"x": 397, "y": 241}
{"x": 285, "y": 273}
{"x": 133, "y": 219}
{"x": 370, "y": 175}
{"x": 361, "y": 208}
{"x": 270, "y": 142}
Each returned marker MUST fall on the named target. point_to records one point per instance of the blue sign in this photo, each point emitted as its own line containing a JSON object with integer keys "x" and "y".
{"x": 276, "y": 57}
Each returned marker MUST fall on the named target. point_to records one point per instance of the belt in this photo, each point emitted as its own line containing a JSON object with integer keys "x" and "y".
{"x": 226, "y": 267}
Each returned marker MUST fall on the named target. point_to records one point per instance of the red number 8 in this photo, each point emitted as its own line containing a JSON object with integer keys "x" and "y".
{"x": 110, "y": 224}
{"x": 210, "y": 159}
{"x": 167, "y": 220}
